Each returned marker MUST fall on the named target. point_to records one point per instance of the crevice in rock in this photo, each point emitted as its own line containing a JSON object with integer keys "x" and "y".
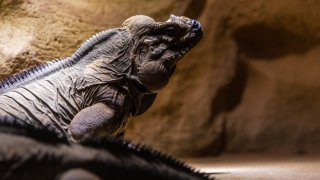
{"x": 228, "y": 97}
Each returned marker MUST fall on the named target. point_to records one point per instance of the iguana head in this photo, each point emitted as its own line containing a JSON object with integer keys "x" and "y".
{"x": 158, "y": 46}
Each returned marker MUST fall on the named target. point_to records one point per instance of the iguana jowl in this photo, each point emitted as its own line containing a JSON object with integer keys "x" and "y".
{"x": 111, "y": 76}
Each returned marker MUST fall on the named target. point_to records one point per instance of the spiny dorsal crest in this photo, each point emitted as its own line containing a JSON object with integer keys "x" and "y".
{"x": 33, "y": 73}
{"x": 46, "y": 69}
{"x": 144, "y": 151}
{"x": 85, "y": 47}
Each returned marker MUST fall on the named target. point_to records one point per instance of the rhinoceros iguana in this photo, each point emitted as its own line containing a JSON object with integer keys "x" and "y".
{"x": 113, "y": 75}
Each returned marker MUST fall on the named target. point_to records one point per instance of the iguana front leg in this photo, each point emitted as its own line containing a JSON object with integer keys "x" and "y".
{"x": 91, "y": 120}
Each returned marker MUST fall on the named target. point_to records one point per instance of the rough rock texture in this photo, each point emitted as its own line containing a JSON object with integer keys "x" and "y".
{"x": 271, "y": 101}
{"x": 252, "y": 84}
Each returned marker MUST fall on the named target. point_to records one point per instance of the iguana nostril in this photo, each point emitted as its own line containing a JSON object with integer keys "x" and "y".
{"x": 195, "y": 24}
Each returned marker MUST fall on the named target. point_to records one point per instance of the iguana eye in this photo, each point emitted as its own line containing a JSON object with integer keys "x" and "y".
{"x": 143, "y": 50}
{"x": 142, "y": 53}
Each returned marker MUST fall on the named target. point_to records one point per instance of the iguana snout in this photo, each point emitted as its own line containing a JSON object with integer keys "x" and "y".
{"x": 159, "y": 46}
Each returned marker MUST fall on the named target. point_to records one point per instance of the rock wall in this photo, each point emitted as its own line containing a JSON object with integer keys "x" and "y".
{"x": 249, "y": 86}
{"x": 272, "y": 101}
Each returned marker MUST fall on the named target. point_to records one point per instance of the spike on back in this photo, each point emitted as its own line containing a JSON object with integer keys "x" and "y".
{"x": 143, "y": 151}
{"x": 45, "y": 69}
{"x": 91, "y": 42}
{"x": 32, "y": 73}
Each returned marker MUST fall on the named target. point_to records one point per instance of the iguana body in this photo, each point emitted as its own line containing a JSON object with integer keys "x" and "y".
{"x": 113, "y": 75}
{"x": 46, "y": 157}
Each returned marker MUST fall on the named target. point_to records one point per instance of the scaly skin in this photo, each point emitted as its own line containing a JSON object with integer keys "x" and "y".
{"x": 113, "y": 75}
{"x": 29, "y": 153}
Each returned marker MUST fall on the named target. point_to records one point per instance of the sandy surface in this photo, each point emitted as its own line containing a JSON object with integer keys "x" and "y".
{"x": 260, "y": 167}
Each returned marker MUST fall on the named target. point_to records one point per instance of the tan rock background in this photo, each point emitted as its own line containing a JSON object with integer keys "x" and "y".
{"x": 251, "y": 85}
